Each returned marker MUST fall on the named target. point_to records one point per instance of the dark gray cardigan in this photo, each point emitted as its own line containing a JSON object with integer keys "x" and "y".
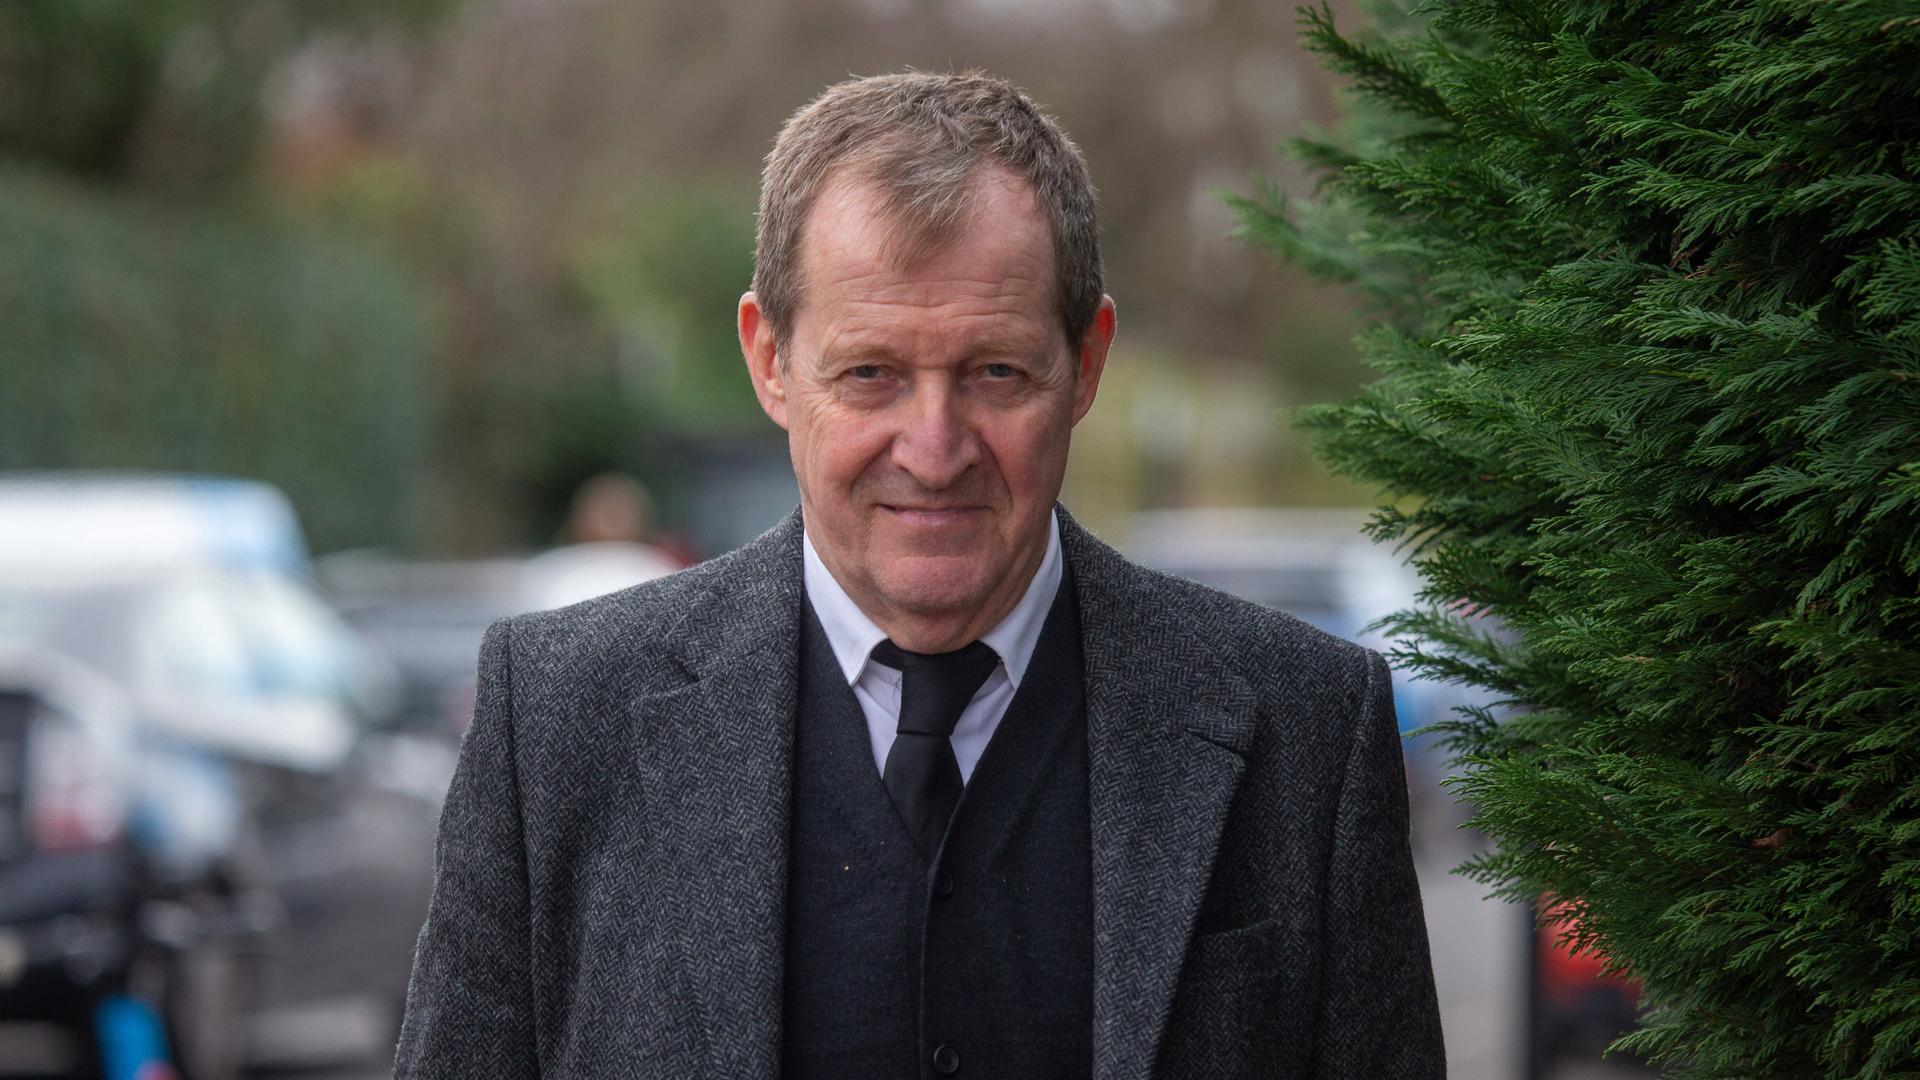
{"x": 610, "y": 873}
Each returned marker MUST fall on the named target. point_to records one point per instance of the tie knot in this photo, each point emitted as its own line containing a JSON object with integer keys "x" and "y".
{"x": 936, "y": 687}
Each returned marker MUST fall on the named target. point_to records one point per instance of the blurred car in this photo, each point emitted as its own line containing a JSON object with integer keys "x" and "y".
{"x": 74, "y": 525}
{"x": 1318, "y": 565}
{"x": 67, "y": 920}
{"x": 272, "y": 830}
{"x": 113, "y": 875}
{"x": 1577, "y": 1006}
{"x": 426, "y": 617}
{"x": 268, "y": 855}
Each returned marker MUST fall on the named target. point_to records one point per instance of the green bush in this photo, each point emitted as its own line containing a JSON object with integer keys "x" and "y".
{"x": 139, "y": 333}
{"x": 664, "y": 281}
{"x": 160, "y": 89}
{"x": 1647, "y": 320}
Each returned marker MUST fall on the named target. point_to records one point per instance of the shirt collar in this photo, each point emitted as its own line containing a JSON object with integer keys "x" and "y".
{"x": 853, "y": 635}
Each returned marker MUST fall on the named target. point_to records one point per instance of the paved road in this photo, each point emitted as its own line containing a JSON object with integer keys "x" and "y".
{"x": 1478, "y": 967}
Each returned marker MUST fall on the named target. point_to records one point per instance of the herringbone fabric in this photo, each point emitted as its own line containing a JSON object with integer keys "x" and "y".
{"x": 610, "y": 876}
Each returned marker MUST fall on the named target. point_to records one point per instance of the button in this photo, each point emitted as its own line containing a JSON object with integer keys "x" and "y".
{"x": 946, "y": 1060}
{"x": 943, "y": 884}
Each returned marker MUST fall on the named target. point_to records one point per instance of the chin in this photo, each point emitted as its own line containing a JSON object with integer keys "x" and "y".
{"x": 932, "y": 590}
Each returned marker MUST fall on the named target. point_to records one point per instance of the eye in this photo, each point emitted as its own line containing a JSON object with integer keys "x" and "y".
{"x": 865, "y": 372}
{"x": 1000, "y": 371}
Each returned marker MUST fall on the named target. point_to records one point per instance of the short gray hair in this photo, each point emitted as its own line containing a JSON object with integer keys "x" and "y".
{"x": 922, "y": 139}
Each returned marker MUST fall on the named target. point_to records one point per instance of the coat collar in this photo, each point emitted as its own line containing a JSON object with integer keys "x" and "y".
{"x": 1166, "y": 731}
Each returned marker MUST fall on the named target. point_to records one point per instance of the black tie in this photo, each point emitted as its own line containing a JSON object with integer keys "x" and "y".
{"x": 921, "y": 773}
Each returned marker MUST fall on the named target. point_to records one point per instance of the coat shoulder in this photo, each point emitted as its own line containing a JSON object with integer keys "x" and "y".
{"x": 1258, "y": 643}
{"x": 1242, "y": 628}
{"x": 633, "y": 620}
{"x": 639, "y": 635}
{"x": 1246, "y": 676}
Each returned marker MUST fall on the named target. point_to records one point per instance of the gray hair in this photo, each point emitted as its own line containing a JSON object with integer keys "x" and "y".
{"x": 922, "y": 139}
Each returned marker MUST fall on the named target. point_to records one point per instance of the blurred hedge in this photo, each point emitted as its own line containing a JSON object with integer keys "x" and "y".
{"x": 141, "y": 333}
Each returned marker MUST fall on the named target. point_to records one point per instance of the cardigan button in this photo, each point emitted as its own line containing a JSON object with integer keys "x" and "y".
{"x": 943, "y": 884}
{"x": 946, "y": 1059}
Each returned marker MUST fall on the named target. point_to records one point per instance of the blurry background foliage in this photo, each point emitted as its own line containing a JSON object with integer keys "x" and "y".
{"x": 162, "y": 89}
{"x": 428, "y": 264}
{"x": 662, "y": 276}
{"x": 160, "y": 314}
{"x": 226, "y": 338}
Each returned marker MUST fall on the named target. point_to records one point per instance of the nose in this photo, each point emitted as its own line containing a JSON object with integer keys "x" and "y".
{"x": 936, "y": 444}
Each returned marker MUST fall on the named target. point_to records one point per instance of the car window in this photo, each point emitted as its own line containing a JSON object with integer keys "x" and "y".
{"x": 22, "y": 615}
{"x": 297, "y": 646}
{"x": 186, "y": 644}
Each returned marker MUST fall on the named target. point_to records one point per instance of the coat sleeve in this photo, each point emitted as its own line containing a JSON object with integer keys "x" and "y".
{"x": 1379, "y": 1017}
{"x": 469, "y": 1007}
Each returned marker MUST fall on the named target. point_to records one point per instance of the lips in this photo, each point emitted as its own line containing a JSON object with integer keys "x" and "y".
{"x": 932, "y": 515}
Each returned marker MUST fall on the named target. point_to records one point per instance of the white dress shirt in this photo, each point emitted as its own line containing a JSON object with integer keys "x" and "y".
{"x": 877, "y": 686}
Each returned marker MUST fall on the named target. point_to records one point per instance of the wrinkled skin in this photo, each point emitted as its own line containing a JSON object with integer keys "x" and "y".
{"x": 928, "y": 407}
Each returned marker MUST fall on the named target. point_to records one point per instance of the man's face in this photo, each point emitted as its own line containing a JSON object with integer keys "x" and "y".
{"x": 928, "y": 407}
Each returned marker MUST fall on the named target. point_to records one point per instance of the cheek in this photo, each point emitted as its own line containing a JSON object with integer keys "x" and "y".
{"x": 1032, "y": 458}
{"x": 832, "y": 454}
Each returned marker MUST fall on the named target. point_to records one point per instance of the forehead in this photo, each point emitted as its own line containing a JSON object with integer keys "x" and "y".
{"x": 857, "y": 258}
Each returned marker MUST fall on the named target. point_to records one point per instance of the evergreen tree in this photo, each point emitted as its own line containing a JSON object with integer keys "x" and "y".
{"x": 1646, "y": 310}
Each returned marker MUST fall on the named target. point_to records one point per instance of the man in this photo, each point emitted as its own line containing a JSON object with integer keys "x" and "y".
{"x": 926, "y": 781}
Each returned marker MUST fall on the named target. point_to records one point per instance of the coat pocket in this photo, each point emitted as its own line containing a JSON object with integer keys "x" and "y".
{"x": 1226, "y": 960}
{"x": 1241, "y": 1011}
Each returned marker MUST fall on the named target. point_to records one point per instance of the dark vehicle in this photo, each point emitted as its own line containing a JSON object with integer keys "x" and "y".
{"x": 1577, "y": 1006}
{"x": 230, "y": 839}
{"x": 68, "y": 928}
{"x": 426, "y": 619}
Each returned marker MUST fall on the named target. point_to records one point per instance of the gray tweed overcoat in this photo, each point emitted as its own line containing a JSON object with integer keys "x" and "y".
{"x": 609, "y": 880}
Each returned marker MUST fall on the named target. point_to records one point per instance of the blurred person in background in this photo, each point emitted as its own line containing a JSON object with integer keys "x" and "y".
{"x": 613, "y": 507}
{"x": 608, "y": 544}
{"x": 926, "y": 780}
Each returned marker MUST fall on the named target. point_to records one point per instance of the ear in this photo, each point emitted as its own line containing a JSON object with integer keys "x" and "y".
{"x": 1091, "y": 358}
{"x": 763, "y": 361}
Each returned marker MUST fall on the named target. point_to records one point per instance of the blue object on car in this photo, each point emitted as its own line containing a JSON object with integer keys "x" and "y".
{"x": 133, "y": 1042}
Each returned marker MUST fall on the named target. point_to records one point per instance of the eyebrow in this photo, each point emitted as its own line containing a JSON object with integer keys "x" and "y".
{"x": 868, "y": 352}
{"x": 1015, "y": 346}
{"x": 858, "y": 354}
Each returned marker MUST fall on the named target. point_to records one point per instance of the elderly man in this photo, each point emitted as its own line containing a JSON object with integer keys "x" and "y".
{"x": 926, "y": 781}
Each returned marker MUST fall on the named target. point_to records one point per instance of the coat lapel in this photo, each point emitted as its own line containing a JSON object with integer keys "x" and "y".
{"x": 1166, "y": 731}
{"x": 715, "y": 770}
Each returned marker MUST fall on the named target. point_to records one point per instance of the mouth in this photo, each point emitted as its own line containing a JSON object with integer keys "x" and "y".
{"x": 932, "y": 516}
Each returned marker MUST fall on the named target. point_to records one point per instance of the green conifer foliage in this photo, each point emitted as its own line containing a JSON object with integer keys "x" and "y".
{"x": 1646, "y": 310}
